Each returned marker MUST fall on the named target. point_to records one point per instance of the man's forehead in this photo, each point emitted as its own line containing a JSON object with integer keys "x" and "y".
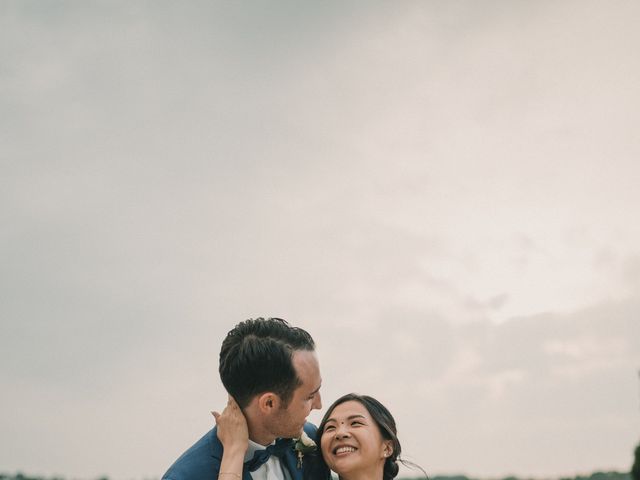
{"x": 305, "y": 359}
{"x": 307, "y": 367}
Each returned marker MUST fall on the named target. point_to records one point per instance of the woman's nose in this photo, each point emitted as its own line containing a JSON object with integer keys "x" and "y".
{"x": 342, "y": 431}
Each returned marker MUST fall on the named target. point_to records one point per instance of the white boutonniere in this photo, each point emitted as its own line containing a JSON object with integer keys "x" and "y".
{"x": 304, "y": 445}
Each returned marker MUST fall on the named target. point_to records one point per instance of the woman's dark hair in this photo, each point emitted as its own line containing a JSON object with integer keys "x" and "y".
{"x": 256, "y": 357}
{"x": 386, "y": 425}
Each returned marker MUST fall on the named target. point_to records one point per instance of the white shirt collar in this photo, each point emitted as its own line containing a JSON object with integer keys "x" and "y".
{"x": 253, "y": 448}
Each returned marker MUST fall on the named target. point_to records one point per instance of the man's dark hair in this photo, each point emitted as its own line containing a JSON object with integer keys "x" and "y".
{"x": 256, "y": 357}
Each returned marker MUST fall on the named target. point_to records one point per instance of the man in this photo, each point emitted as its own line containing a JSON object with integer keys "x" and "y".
{"x": 271, "y": 370}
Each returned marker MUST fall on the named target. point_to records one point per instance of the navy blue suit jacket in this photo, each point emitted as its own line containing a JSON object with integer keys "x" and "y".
{"x": 202, "y": 460}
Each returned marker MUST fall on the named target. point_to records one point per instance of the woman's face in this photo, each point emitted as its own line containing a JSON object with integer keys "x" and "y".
{"x": 351, "y": 442}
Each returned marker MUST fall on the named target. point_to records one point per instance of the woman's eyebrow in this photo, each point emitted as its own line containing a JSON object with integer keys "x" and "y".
{"x": 350, "y": 417}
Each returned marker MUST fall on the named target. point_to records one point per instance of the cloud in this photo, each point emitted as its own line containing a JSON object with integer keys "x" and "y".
{"x": 557, "y": 377}
{"x": 440, "y": 194}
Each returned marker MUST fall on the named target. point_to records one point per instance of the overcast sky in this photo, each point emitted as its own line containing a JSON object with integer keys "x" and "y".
{"x": 444, "y": 194}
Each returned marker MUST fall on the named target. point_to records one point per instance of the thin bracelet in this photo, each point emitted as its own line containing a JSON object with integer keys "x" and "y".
{"x": 230, "y": 473}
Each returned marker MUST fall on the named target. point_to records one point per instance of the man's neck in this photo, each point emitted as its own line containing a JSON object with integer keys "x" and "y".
{"x": 258, "y": 434}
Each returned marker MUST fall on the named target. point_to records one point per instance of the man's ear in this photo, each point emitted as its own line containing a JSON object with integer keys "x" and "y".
{"x": 268, "y": 402}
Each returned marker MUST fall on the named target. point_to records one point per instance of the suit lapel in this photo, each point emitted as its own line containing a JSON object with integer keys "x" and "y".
{"x": 290, "y": 459}
{"x": 216, "y": 453}
{"x": 291, "y": 462}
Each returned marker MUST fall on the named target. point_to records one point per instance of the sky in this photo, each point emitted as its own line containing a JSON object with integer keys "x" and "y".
{"x": 444, "y": 194}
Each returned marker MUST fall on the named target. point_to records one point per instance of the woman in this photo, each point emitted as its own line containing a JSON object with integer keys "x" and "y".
{"x": 357, "y": 437}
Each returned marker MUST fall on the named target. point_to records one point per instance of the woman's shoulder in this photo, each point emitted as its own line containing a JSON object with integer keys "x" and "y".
{"x": 310, "y": 429}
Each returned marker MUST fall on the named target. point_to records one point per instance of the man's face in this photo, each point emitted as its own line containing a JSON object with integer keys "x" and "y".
{"x": 288, "y": 422}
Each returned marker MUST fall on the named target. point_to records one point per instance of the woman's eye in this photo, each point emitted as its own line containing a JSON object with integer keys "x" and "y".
{"x": 329, "y": 427}
{"x": 356, "y": 423}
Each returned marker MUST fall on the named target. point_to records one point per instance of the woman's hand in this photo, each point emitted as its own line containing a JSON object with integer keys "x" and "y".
{"x": 232, "y": 428}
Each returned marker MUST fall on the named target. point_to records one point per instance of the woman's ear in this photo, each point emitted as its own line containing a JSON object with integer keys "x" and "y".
{"x": 387, "y": 449}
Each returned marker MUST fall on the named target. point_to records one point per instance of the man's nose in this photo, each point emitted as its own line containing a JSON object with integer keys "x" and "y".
{"x": 317, "y": 402}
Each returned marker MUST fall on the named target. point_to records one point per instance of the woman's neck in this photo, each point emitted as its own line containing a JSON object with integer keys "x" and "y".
{"x": 369, "y": 474}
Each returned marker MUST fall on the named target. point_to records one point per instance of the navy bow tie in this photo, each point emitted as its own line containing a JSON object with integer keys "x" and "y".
{"x": 279, "y": 449}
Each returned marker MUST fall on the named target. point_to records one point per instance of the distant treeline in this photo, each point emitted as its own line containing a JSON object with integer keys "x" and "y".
{"x": 593, "y": 476}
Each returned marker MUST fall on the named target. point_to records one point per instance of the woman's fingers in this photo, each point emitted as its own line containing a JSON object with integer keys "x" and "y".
{"x": 231, "y": 425}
